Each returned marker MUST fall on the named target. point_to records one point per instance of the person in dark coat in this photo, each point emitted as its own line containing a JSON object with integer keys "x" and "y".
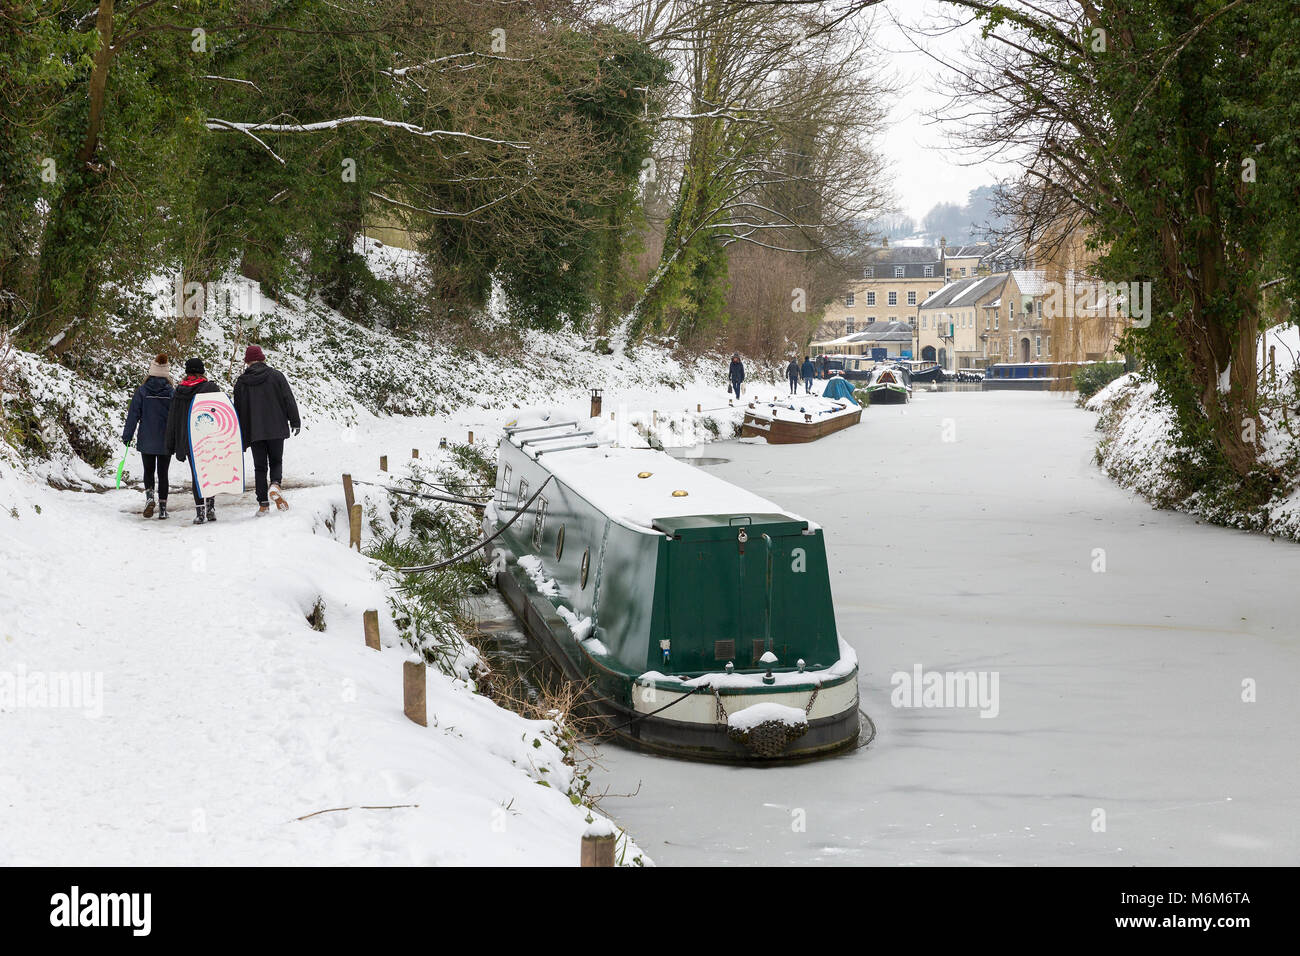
{"x": 178, "y": 429}
{"x": 268, "y": 415}
{"x": 148, "y": 413}
{"x": 736, "y": 372}
{"x": 792, "y": 373}
{"x": 808, "y": 373}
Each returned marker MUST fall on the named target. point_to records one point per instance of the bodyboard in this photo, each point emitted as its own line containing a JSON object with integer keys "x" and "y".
{"x": 216, "y": 446}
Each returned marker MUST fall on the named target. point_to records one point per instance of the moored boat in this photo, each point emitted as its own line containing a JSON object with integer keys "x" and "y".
{"x": 888, "y": 386}
{"x": 697, "y": 614}
{"x": 802, "y": 418}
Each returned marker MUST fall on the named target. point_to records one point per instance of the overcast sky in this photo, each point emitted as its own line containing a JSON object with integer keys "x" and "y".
{"x": 925, "y": 166}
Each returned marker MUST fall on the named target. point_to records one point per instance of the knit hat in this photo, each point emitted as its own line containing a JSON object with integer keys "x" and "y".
{"x": 161, "y": 367}
{"x": 194, "y": 366}
{"x": 254, "y": 353}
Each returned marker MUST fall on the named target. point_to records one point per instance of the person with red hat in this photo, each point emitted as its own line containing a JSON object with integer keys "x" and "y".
{"x": 268, "y": 415}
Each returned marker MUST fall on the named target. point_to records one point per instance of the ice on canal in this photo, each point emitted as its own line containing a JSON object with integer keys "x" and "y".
{"x": 1110, "y": 652}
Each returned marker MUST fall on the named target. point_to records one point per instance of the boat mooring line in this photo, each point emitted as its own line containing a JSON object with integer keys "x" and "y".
{"x": 423, "y": 494}
{"x": 421, "y": 569}
{"x": 691, "y": 693}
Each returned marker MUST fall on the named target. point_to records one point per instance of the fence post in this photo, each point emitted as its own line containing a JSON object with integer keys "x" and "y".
{"x": 354, "y": 527}
{"x": 413, "y": 703}
{"x": 415, "y": 453}
{"x": 349, "y": 495}
{"x": 471, "y": 438}
{"x": 383, "y": 462}
{"x": 370, "y": 621}
{"x": 598, "y": 846}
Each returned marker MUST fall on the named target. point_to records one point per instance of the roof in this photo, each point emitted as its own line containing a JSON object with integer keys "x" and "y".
{"x": 883, "y": 332}
{"x": 903, "y": 255}
{"x": 944, "y": 297}
{"x": 974, "y": 250}
{"x": 980, "y": 287}
{"x": 1030, "y": 281}
{"x": 607, "y": 476}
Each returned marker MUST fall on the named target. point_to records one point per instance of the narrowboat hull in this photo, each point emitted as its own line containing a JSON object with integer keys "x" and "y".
{"x": 674, "y": 614}
{"x": 779, "y": 432}
{"x": 886, "y": 395}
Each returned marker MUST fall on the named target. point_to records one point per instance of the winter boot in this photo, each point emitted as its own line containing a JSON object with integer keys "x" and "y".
{"x": 278, "y": 498}
{"x": 200, "y": 514}
{"x": 212, "y": 510}
{"x": 148, "y": 503}
{"x": 162, "y": 509}
{"x": 262, "y": 511}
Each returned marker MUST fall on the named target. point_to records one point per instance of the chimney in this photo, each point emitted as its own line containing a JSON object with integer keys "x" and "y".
{"x": 943, "y": 242}
{"x": 884, "y": 243}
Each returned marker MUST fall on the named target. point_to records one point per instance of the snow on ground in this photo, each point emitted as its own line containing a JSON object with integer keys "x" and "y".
{"x": 1137, "y": 449}
{"x": 209, "y": 716}
{"x": 1121, "y": 636}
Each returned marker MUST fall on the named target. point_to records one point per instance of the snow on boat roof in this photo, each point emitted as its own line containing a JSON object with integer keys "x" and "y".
{"x": 607, "y": 476}
{"x": 794, "y": 410}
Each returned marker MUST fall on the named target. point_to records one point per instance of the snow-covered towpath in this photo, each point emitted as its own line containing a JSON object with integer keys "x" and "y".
{"x": 969, "y": 532}
{"x": 210, "y": 716}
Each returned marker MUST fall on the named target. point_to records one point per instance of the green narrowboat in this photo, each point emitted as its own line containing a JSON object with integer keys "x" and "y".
{"x": 697, "y": 614}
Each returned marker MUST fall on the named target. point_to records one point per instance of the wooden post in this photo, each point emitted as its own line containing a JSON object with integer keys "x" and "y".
{"x": 471, "y": 438}
{"x": 697, "y": 407}
{"x": 415, "y": 453}
{"x": 370, "y": 620}
{"x": 349, "y": 496}
{"x": 354, "y": 527}
{"x": 383, "y": 462}
{"x": 598, "y": 849}
{"x": 413, "y": 704}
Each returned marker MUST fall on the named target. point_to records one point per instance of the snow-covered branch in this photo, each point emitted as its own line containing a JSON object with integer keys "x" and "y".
{"x": 217, "y": 124}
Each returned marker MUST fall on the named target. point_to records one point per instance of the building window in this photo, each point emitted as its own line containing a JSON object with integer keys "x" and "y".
{"x": 962, "y": 271}
{"x": 911, "y": 298}
{"x": 848, "y": 300}
{"x": 925, "y": 321}
{"x": 867, "y": 272}
{"x": 911, "y": 320}
{"x": 893, "y": 298}
{"x": 948, "y": 273}
{"x": 1038, "y": 345}
{"x": 929, "y": 272}
{"x": 898, "y": 272}
{"x": 849, "y": 327}
{"x": 871, "y": 298}
{"x": 870, "y": 319}
{"x": 997, "y": 319}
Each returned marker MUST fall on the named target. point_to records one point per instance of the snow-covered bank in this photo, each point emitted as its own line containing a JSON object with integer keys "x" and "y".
{"x": 164, "y": 700}
{"x": 1137, "y": 447}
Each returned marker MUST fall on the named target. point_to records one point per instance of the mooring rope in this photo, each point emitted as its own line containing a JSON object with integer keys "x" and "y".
{"x": 424, "y": 494}
{"x": 421, "y": 569}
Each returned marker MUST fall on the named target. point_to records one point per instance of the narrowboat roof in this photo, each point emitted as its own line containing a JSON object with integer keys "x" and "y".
{"x": 608, "y": 476}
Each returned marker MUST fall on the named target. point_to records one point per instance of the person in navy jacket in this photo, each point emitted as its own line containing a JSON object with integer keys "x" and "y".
{"x": 146, "y": 421}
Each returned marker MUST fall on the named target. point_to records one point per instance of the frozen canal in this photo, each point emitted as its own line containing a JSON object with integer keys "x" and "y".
{"x": 963, "y": 534}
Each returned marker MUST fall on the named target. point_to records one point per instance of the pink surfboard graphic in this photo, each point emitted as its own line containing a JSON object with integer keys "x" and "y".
{"x": 216, "y": 446}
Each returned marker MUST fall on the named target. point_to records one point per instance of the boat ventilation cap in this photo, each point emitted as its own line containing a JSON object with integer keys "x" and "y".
{"x": 680, "y": 494}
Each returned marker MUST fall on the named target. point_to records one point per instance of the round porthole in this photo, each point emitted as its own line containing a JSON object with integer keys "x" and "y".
{"x": 586, "y": 566}
{"x": 559, "y": 543}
